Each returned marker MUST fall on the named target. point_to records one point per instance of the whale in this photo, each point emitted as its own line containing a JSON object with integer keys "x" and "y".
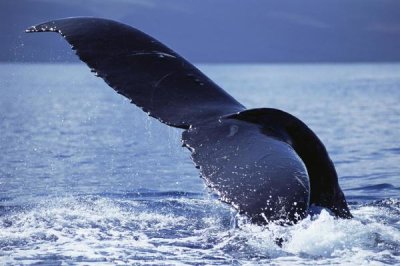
{"x": 265, "y": 163}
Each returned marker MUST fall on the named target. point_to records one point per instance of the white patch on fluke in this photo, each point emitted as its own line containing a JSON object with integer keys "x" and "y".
{"x": 233, "y": 129}
{"x": 159, "y": 54}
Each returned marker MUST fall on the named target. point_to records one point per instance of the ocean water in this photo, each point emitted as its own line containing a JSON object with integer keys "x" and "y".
{"x": 86, "y": 178}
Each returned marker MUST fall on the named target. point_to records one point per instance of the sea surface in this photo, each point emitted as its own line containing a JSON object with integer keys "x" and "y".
{"x": 86, "y": 178}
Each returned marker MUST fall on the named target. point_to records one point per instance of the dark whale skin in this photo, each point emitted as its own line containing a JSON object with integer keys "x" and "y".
{"x": 265, "y": 162}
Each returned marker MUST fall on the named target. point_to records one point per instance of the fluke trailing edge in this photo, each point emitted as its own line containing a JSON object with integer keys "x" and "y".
{"x": 264, "y": 162}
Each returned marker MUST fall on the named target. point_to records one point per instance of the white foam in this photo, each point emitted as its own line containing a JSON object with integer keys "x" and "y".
{"x": 124, "y": 231}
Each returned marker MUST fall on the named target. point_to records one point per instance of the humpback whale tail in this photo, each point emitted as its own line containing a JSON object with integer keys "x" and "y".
{"x": 264, "y": 162}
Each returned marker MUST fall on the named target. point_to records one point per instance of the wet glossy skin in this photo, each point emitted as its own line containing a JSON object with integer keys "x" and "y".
{"x": 264, "y": 162}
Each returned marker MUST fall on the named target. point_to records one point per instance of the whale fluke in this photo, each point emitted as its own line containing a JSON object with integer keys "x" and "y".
{"x": 144, "y": 70}
{"x": 264, "y": 162}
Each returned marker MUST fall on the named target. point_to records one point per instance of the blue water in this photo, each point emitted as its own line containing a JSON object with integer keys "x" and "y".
{"x": 87, "y": 177}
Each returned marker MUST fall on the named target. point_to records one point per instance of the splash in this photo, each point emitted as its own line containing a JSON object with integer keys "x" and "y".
{"x": 183, "y": 230}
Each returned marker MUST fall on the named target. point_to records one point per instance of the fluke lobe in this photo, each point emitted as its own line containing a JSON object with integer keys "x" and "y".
{"x": 264, "y": 162}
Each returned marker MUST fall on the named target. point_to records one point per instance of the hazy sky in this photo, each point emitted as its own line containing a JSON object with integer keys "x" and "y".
{"x": 222, "y": 30}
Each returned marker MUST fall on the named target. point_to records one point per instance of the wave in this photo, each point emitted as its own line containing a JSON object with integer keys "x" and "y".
{"x": 174, "y": 228}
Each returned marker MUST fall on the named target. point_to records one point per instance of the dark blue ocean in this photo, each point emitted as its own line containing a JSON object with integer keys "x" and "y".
{"x": 86, "y": 178}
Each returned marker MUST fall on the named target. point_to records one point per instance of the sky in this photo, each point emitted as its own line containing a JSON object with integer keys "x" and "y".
{"x": 221, "y": 31}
